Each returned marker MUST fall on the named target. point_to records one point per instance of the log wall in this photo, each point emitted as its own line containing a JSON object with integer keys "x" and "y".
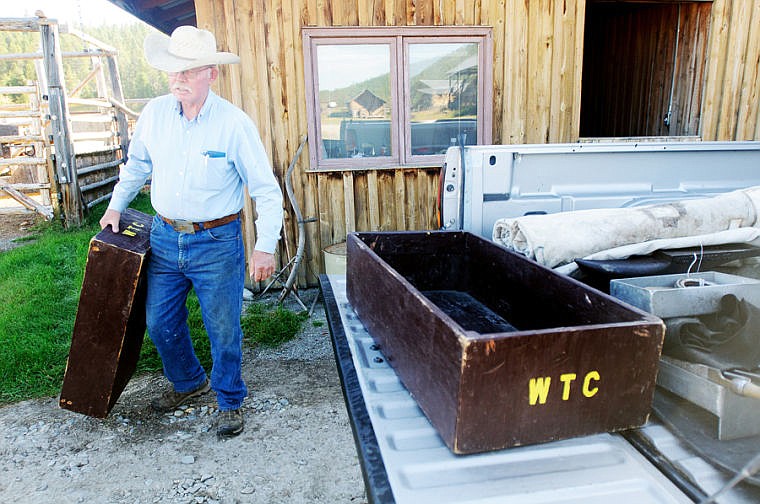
{"x": 537, "y": 69}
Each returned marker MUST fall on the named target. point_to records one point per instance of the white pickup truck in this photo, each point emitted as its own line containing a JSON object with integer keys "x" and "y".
{"x": 481, "y": 184}
{"x": 402, "y": 457}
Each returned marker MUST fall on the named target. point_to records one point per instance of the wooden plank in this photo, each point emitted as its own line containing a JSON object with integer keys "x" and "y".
{"x": 373, "y": 205}
{"x": 332, "y": 207}
{"x": 749, "y": 97}
{"x": 19, "y": 24}
{"x": 253, "y": 100}
{"x": 716, "y": 68}
{"x": 732, "y": 80}
{"x": 448, "y": 13}
{"x": 324, "y": 13}
{"x": 412, "y": 199}
{"x": 387, "y": 200}
{"x": 360, "y": 203}
{"x": 307, "y": 11}
{"x": 345, "y": 13}
{"x": 276, "y": 68}
{"x": 558, "y": 74}
{"x": 579, "y": 32}
{"x": 480, "y": 12}
{"x": 348, "y": 202}
{"x": 423, "y": 13}
{"x": 459, "y": 15}
{"x": 371, "y": 12}
{"x": 22, "y": 161}
{"x": 295, "y": 117}
{"x": 516, "y": 78}
{"x": 27, "y": 201}
{"x": 399, "y": 197}
{"x": 540, "y": 45}
{"x": 18, "y": 90}
{"x": 497, "y": 14}
{"x": 282, "y": 135}
{"x": 231, "y": 73}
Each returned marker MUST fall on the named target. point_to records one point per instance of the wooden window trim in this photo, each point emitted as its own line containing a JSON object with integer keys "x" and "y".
{"x": 399, "y": 39}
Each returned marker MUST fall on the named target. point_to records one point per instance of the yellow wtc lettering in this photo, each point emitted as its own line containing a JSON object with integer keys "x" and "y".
{"x": 132, "y": 229}
{"x": 538, "y": 389}
{"x": 587, "y": 390}
{"x": 567, "y": 379}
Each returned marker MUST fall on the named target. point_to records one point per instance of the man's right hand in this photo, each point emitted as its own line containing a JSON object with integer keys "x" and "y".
{"x": 110, "y": 218}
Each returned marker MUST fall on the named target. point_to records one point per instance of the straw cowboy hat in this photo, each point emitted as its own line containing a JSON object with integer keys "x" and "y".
{"x": 188, "y": 47}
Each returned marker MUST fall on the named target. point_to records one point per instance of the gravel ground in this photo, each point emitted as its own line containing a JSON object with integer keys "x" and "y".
{"x": 297, "y": 445}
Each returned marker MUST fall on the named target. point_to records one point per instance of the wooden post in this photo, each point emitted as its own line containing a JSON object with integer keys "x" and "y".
{"x": 65, "y": 166}
{"x": 117, "y": 93}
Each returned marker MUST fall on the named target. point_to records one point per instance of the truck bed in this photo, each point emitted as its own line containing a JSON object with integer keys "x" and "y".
{"x": 489, "y": 182}
{"x": 404, "y": 460}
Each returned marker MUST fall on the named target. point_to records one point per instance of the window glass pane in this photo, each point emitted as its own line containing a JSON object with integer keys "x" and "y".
{"x": 443, "y": 99}
{"x": 355, "y": 100}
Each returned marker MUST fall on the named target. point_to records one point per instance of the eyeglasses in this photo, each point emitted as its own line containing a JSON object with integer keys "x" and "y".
{"x": 188, "y": 74}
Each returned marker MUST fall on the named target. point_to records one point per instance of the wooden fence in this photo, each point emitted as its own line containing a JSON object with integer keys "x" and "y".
{"x": 62, "y": 152}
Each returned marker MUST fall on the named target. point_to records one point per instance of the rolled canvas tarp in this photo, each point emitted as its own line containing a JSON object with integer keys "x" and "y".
{"x": 557, "y": 239}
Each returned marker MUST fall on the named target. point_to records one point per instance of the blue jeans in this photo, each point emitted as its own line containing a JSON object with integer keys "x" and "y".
{"x": 212, "y": 262}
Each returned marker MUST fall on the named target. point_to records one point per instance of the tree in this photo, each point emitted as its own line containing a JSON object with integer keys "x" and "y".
{"x": 139, "y": 80}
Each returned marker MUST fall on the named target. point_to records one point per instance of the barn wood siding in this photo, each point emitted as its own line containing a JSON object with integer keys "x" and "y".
{"x": 537, "y": 68}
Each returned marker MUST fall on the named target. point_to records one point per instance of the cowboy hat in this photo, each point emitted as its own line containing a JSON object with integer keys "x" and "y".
{"x": 188, "y": 47}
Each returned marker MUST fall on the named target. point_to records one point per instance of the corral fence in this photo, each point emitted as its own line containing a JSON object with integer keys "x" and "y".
{"x": 61, "y": 153}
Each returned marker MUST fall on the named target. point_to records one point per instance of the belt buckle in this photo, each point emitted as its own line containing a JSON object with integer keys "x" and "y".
{"x": 183, "y": 226}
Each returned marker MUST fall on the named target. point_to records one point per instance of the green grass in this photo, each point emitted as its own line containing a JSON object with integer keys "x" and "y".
{"x": 39, "y": 294}
{"x": 271, "y": 325}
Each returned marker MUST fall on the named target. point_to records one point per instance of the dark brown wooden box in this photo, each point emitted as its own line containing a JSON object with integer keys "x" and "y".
{"x": 110, "y": 321}
{"x": 497, "y": 350}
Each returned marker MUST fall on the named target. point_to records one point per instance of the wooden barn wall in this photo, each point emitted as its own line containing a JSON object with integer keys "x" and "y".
{"x": 732, "y": 87}
{"x": 537, "y": 64}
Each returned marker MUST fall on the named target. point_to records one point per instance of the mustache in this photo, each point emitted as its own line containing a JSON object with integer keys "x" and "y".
{"x": 180, "y": 87}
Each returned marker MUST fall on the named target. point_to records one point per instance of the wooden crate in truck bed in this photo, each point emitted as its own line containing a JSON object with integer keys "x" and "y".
{"x": 497, "y": 350}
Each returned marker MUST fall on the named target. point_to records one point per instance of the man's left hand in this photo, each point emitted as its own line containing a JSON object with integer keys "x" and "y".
{"x": 262, "y": 265}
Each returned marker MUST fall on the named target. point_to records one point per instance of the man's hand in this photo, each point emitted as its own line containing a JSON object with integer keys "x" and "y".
{"x": 262, "y": 265}
{"x": 110, "y": 218}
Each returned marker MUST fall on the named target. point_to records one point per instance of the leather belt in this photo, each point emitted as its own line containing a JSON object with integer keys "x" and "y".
{"x": 184, "y": 226}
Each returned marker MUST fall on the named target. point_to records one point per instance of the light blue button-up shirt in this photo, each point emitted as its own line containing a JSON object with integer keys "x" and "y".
{"x": 200, "y": 168}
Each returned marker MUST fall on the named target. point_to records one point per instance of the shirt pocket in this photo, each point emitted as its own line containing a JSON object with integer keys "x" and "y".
{"x": 214, "y": 171}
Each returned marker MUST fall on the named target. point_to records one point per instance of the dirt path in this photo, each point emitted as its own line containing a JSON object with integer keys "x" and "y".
{"x": 297, "y": 445}
{"x": 14, "y": 226}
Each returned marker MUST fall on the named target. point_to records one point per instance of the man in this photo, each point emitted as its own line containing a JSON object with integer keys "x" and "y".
{"x": 201, "y": 151}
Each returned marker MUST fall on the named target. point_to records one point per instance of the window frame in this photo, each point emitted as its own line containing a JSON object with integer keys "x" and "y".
{"x": 398, "y": 39}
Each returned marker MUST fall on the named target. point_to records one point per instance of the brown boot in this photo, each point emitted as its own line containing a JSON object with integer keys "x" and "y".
{"x": 170, "y": 399}
{"x": 230, "y": 423}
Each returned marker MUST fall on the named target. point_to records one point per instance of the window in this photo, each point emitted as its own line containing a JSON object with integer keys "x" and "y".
{"x": 388, "y": 97}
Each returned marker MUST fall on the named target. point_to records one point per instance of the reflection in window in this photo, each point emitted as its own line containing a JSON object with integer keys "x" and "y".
{"x": 355, "y": 100}
{"x": 385, "y": 97}
{"x": 443, "y": 101}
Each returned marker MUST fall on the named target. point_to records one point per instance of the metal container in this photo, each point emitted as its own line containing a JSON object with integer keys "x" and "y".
{"x": 662, "y": 296}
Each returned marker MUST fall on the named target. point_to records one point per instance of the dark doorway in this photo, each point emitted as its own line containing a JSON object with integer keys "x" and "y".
{"x": 643, "y": 68}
